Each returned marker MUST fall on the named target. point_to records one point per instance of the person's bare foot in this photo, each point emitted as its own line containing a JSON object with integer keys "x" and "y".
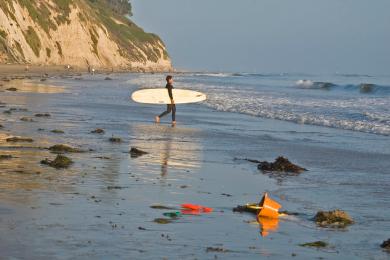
{"x": 173, "y": 123}
{"x": 157, "y": 119}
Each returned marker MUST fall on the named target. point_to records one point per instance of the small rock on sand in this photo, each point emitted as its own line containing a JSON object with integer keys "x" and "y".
{"x": 336, "y": 218}
{"x": 12, "y": 89}
{"x": 59, "y": 162}
{"x": 135, "y": 152}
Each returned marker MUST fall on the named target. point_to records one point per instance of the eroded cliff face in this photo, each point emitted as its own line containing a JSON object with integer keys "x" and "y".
{"x": 80, "y": 33}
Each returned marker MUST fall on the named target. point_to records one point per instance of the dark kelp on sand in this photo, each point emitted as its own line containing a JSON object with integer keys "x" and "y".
{"x": 135, "y": 152}
{"x": 16, "y": 139}
{"x": 386, "y": 245}
{"x": 57, "y": 131}
{"x": 26, "y": 119}
{"x": 97, "y": 131}
{"x": 281, "y": 164}
{"x": 336, "y": 219}
{"x": 5, "y": 157}
{"x": 317, "y": 244}
{"x": 60, "y": 162}
{"x": 42, "y": 115}
{"x": 115, "y": 140}
{"x": 63, "y": 148}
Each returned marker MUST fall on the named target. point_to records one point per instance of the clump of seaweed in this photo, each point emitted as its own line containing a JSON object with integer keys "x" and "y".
{"x": 115, "y": 139}
{"x": 57, "y": 131}
{"x": 26, "y": 119}
{"x": 135, "y": 152}
{"x": 60, "y": 162}
{"x": 318, "y": 244}
{"x": 162, "y": 220}
{"x": 63, "y": 148}
{"x": 42, "y": 115}
{"x": 97, "y": 131}
{"x": 281, "y": 164}
{"x": 386, "y": 244}
{"x": 336, "y": 218}
{"x": 5, "y": 157}
{"x": 16, "y": 139}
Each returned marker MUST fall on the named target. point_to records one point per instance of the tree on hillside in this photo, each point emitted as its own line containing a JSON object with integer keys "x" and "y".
{"x": 122, "y": 7}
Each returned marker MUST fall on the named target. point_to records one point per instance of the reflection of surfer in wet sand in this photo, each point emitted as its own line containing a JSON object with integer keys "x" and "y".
{"x": 165, "y": 156}
{"x": 170, "y": 107}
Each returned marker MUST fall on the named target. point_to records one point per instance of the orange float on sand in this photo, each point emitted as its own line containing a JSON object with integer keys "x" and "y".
{"x": 268, "y": 207}
{"x": 194, "y": 207}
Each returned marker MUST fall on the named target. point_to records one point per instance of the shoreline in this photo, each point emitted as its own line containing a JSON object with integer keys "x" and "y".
{"x": 10, "y": 70}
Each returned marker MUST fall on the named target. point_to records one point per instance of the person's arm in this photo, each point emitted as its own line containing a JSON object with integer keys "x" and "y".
{"x": 170, "y": 94}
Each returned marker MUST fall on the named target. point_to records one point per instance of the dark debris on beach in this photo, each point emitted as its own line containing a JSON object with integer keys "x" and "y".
{"x": 135, "y": 152}
{"x": 335, "y": 219}
{"x": 281, "y": 164}
{"x": 60, "y": 162}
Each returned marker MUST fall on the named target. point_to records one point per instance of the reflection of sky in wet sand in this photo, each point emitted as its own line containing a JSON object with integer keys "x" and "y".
{"x": 32, "y": 87}
{"x": 176, "y": 149}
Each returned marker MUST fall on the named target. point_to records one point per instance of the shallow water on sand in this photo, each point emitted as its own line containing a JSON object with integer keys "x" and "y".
{"x": 100, "y": 206}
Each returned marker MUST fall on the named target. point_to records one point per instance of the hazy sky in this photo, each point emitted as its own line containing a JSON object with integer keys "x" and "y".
{"x": 315, "y": 36}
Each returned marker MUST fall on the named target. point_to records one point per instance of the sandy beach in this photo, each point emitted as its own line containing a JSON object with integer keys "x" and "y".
{"x": 107, "y": 204}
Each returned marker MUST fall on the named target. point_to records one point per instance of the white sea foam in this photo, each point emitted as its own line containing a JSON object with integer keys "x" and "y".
{"x": 365, "y": 113}
{"x": 305, "y": 83}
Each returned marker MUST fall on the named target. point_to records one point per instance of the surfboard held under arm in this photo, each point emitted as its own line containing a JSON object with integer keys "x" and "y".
{"x": 160, "y": 96}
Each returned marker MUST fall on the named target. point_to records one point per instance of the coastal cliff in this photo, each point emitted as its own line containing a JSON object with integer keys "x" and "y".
{"x": 80, "y": 33}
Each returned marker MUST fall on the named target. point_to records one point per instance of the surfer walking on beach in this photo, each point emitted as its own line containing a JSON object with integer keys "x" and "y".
{"x": 170, "y": 107}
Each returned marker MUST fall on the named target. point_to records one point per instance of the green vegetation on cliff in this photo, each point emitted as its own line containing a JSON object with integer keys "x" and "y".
{"x": 101, "y": 20}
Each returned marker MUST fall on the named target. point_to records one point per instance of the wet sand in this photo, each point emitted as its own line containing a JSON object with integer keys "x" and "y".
{"x": 100, "y": 207}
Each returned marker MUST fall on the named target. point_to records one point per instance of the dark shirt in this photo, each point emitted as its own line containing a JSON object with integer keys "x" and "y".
{"x": 169, "y": 87}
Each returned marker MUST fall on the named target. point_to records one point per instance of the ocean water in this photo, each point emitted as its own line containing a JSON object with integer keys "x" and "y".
{"x": 352, "y": 102}
{"x": 100, "y": 207}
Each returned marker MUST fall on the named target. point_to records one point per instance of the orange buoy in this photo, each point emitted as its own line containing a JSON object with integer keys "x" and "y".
{"x": 268, "y": 207}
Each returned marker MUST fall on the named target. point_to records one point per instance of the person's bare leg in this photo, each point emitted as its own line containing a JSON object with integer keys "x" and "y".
{"x": 173, "y": 123}
{"x": 157, "y": 119}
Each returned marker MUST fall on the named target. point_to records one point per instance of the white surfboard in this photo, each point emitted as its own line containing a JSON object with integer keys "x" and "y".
{"x": 161, "y": 96}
